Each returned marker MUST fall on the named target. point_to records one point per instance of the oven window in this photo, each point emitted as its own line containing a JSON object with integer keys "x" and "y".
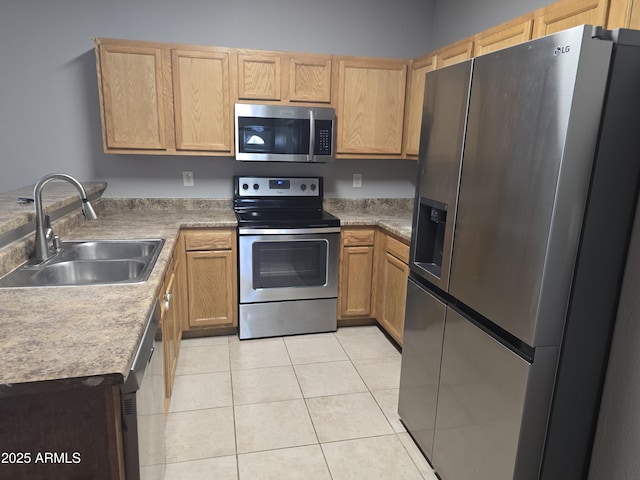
{"x": 299, "y": 263}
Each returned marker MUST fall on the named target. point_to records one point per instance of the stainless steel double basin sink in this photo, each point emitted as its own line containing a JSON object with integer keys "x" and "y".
{"x": 96, "y": 262}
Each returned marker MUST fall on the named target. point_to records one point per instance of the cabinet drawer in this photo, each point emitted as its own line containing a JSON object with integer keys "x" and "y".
{"x": 357, "y": 237}
{"x": 209, "y": 240}
{"x": 398, "y": 249}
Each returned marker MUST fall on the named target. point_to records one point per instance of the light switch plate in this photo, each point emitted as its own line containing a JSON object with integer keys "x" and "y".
{"x": 187, "y": 179}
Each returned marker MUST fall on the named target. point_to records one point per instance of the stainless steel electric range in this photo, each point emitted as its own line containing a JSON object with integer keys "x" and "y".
{"x": 288, "y": 257}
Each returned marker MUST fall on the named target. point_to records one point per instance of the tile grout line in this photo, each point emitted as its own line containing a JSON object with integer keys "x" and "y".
{"x": 306, "y": 406}
{"x": 233, "y": 410}
{"x": 369, "y": 390}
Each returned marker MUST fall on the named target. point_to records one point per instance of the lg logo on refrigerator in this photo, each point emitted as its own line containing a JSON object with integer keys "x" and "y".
{"x": 561, "y": 50}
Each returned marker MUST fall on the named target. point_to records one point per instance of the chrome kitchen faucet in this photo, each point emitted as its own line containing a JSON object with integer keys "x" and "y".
{"x": 47, "y": 243}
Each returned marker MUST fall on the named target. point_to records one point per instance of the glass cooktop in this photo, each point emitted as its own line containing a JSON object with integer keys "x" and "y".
{"x": 287, "y": 218}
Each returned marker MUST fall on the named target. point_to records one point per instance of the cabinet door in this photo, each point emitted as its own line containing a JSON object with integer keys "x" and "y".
{"x": 132, "y": 97}
{"x": 371, "y": 106}
{"x": 510, "y": 33}
{"x": 415, "y": 102}
{"x": 259, "y": 75}
{"x": 202, "y": 102}
{"x": 169, "y": 320}
{"x": 454, "y": 53}
{"x": 179, "y": 296}
{"x": 634, "y": 16}
{"x": 624, "y": 14}
{"x": 356, "y": 282}
{"x": 569, "y": 13}
{"x": 395, "y": 274}
{"x": 310, "y": 79}
{"x": 212, "y": 288}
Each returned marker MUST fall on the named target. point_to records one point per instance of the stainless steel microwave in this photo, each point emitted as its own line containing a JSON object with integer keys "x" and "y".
{"x": 274, "y": 133}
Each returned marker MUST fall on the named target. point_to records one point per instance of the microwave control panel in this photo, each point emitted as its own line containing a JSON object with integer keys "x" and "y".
{"x": 323, "y": 137}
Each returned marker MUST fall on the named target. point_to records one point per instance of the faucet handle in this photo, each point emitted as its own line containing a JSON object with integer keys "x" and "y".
{"x": 56, "y": 244}
{"x": 48, "y": 231}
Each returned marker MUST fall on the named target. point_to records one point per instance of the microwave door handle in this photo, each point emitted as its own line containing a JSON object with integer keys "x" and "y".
{"x": 312, "y": 134}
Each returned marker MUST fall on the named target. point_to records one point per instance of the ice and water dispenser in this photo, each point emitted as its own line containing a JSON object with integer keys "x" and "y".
{"x": 429, "y": 245}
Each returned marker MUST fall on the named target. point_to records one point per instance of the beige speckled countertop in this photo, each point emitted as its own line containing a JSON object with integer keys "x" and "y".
{"x": 77, "y": 332}
{"x": 72, "y": 333}
{"x": 394, "y": 215}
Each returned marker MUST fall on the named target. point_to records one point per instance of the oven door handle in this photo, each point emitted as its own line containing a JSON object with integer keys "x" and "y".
{"x": 286, "y": 231}
{"x": 312, "y": 134}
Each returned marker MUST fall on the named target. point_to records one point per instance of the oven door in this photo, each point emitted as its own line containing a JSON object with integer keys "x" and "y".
{"x": 291, "y": 264}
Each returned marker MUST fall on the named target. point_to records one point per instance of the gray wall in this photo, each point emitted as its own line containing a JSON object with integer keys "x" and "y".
{"x": 49, "y": 113}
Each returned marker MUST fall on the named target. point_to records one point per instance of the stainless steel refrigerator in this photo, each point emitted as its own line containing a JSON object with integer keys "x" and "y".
{"x": 528, "y": 180}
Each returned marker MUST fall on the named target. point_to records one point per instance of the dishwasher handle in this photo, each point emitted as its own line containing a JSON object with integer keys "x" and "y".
{"x": 144, "y": 352}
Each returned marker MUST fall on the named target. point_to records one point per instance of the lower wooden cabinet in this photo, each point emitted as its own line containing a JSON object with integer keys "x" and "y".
{"x": 356, "y": 273}
{"x": 212, "y": 279}
{"x": 171, "y": 300}
{"x": 373, "y": 278}
{"x": 393, "y": 273}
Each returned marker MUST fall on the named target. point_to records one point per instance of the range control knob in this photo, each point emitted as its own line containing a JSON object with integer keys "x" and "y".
{"x": 245, "y": 186}
{"x": 303, "y": 187}
{"x": 256, "y": 186}
{"x": 313, "y": 187}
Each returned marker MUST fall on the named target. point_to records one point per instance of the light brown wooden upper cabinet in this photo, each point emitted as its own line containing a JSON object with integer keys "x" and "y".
{"x": 370, "y": 107}
{"x": 513, "y": 32}
{"x": 455, "y": 53}
{"x": 310, "y": 78}
{"x": 569, "y": 13}
{"x": 132, "y": 104}
{"x": 624, "y": 14}
{"x": 259, "y": 75}
{"x": 202, "y": 100}
{"x": 415, "y": 100}
{"x": 284, "y": 77}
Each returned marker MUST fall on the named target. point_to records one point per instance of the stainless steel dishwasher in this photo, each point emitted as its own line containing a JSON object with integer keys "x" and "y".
{"x": 142, "y": 396}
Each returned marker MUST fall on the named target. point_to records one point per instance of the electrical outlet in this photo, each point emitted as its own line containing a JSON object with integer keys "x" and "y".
{"x": 357, "y": 180}
{"x": 187, "y": 179}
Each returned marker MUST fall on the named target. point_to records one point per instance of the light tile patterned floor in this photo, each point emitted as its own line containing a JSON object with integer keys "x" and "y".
{"x": 313, "y": 407}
